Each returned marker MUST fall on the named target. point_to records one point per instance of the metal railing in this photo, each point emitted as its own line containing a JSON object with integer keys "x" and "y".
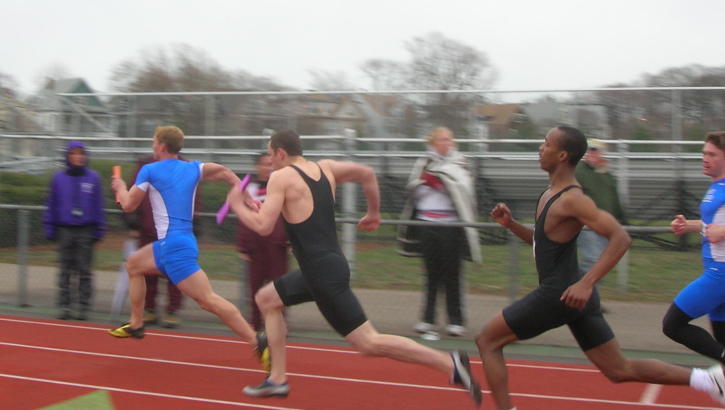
{"x": 348, "y": 242}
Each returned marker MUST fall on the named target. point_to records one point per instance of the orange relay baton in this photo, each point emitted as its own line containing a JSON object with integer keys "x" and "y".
{"x": 117, "y": 174}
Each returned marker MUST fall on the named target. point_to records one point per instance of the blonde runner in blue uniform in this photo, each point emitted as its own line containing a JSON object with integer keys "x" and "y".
{"x": 706, "y": 294}
{"x": 171, "y": 185}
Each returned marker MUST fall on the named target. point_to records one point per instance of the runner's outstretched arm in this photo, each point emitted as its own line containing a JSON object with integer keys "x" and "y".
{"x": 353, "y": 172}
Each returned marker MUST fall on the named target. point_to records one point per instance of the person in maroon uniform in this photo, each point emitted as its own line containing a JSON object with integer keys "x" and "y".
{"x": 266, "y": 255}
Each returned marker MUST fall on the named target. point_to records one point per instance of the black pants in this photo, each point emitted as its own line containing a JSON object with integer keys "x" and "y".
{"x": 442, "y": 248}
{"x": 676, "y": 325}
{"x": 75, "y": 246}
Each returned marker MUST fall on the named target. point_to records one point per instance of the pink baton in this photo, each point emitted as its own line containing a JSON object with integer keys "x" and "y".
{"x": 224, "y": 210}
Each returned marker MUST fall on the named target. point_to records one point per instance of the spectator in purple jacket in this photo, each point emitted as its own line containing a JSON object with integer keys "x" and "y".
{"x": 76, "y": 219}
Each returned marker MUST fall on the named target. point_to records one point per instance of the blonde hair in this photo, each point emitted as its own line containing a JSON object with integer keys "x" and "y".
{"x": 172, "y": 136}
{"x": 435, "y": 132}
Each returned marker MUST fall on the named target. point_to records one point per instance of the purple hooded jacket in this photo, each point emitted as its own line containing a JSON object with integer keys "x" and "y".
{"x": 75, "y": 198}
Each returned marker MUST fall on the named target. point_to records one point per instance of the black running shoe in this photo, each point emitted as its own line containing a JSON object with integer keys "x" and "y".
{"x": 150, "y": 317}
{"x": 262, "y": 352}
{"x": 462, "y": 376}
{"x": 64, "y": 314}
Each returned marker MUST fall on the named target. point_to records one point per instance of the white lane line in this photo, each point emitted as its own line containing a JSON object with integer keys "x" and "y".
{"x": 143, "y": 393}
{"x": 651, "y": 393}
{"x": 362, "y": 381}
{"x": 124, "y": 357}
{"x": 624, "y": 403}
{"x": 173, "y": 336}
{"x": 238, "y": 369}
{"x": 318, "y": 349}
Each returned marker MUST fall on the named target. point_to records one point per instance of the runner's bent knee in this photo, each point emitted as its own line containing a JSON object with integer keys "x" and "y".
{"x": 267, "y": 299}
{"x": 366, "y": 346}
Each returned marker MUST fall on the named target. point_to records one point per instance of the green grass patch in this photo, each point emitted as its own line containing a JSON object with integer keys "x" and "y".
{"x": 654, "y": 274}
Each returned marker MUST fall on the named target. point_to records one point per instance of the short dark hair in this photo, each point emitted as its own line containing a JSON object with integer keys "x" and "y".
{"x": 261, "y": 155}
{"x": 573, "y": 142}
{"x": 288, "y": 140}
{"x": 716, "y": 138}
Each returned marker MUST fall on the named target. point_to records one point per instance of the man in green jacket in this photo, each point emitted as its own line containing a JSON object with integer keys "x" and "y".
{"x": 600, "y": 185}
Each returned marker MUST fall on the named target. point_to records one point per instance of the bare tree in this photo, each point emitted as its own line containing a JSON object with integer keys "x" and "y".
{"x": 386, "y": 74}
{"x": 185, "y": 68}
{"x": 701, "y": 108}
{"x": 55, "y": 71}
{"x": 325, "y": 80}
{"x": 8, "y": 86}
{"x": 441, "y": 63}
{"x": 637, "y": 114}
{"x": 437, "y": 63}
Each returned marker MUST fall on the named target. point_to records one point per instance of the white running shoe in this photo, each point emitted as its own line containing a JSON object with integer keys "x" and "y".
{"x": 423, "y": 327}
{"x": 431, "y": 335}
{"x": 718, "y": 381}
{"x": 455, "y": 330}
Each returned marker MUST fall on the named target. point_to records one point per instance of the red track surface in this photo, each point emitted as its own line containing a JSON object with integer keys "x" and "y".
{"x": 46, "y": 362}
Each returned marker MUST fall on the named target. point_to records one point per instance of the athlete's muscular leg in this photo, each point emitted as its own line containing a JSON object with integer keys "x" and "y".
{"x": 496, "y": 334}
{"x": 366, "y": 340}
{"x": 197, "y": 287}
{"x": 608, "y": 358}
{"x": 140, "y": 263}
{"x": 272, "y": 309}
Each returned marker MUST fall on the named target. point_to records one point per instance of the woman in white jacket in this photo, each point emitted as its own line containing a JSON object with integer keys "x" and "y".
{"x": 441, "y": 189}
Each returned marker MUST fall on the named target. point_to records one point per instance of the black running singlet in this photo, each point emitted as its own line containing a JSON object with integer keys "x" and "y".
{"x": 324, "y": 275}
{"x": 317, "y": 235}
{"x": 542, "y": 309}
{"x": 556, "y": 262}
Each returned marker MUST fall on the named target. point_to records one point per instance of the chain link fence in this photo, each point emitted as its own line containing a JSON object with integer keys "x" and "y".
{"x": 653, "y": 135}
{"x": 29, "y": 269}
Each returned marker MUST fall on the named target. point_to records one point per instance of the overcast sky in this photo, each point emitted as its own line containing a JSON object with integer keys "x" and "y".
{"x": 531, "y": 44}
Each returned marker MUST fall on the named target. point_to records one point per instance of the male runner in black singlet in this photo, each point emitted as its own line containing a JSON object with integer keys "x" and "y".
{"x": 303, "y": 192}
{"x": 563, "y": 297}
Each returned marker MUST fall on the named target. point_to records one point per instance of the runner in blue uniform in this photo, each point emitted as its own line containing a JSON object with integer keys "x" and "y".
{"x": 171, "y": 185}
{"x": 706, "y": 294}
{"x": 303, "y": 192}
{"x": 563, "y": 297}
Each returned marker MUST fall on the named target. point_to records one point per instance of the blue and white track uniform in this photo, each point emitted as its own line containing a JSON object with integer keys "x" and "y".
{"x": 171, "y": 186}
{"x": 706, "y": 294}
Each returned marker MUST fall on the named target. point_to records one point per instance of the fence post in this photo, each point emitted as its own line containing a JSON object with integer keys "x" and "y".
{"x": 23, "y": 234}
{"x": 513, "y": 246}
{"x": 244, "y": 303}
{"x": 623, "y": 190}
{"x": 623, "y": 274}
{"x": 349, "y": 232}
{"x": 131, "y": 118}
{"x": 623, "y": 174}
{"x": 210, "y": 116}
